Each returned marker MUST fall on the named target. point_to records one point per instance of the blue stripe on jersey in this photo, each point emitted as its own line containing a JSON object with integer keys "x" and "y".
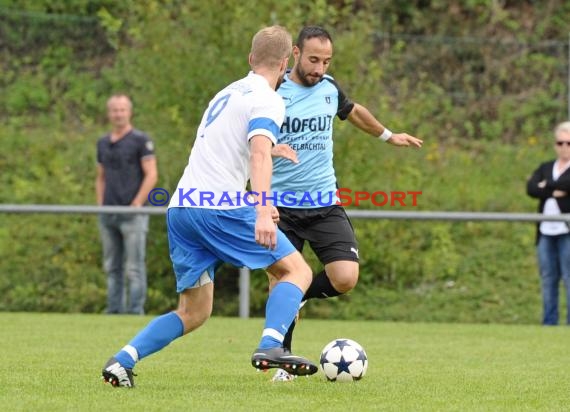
{"x": 263, "y": 123}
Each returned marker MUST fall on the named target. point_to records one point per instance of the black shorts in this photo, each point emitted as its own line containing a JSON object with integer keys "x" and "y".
{"x": 327, "y": 229}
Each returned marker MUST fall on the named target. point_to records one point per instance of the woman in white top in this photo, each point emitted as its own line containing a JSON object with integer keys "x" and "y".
{"x": 550, "y": 183}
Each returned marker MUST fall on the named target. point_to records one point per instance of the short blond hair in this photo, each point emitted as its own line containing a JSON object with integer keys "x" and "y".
{"x": 563, "y": 127}
{"x": 270, "y": 46}
{"x": 120, "y": 96}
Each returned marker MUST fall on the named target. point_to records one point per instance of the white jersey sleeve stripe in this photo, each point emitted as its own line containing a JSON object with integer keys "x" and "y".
{"x": 263, "y": 126}
{"x": 262, "y": 132}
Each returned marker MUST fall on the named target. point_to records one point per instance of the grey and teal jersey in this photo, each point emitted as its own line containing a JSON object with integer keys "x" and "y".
{"x": 308, "y": 129}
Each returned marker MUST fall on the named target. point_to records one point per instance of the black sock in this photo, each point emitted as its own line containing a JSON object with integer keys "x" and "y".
{"x": 321, "y": 288}
{"x": 288, "y": 340}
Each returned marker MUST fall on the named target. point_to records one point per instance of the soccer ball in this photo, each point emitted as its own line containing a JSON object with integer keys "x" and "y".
{"x": 344, "y": 360}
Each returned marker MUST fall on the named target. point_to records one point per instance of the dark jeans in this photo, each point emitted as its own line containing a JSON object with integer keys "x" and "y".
{"x": 554, "y": 263}
{"x": 124, "y": 251}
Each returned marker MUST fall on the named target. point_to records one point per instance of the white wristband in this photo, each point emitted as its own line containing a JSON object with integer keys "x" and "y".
{"x": 386, "y": 134}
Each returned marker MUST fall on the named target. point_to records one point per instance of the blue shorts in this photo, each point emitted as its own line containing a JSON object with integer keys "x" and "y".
{"x": 202, "y": 239}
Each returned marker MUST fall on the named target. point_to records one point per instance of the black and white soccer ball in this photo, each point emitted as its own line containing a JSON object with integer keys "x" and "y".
{"x": 344, "y": 360}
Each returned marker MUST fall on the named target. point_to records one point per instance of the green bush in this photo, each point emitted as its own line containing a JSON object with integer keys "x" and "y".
{"x": 171, "y": 58}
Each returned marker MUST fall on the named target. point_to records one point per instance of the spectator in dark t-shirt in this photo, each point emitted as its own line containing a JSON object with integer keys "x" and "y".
{"x": 126, "y": 173}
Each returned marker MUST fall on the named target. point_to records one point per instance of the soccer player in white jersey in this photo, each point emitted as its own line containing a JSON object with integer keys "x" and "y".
{"x": 209, "y": 220}
{"x": 312, "y": 100}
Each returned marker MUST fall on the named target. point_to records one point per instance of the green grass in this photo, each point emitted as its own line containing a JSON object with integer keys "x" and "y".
{"x": 51, "y": 362}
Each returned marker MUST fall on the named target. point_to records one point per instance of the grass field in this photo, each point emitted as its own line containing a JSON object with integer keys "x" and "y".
{"x": 52, "y": 362}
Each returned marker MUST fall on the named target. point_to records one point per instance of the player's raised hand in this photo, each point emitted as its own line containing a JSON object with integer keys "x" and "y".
{"x": 285, "y": 151}
{"x": 404, "y": 139}
{"x": 265, "y": 229}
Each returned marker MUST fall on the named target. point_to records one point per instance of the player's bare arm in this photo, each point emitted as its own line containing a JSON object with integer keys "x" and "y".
{"x": 261, "y": 169}
{"x": 361, "y": 117}
{"x": 100, "y": 184}
{"x": 148, "y": 165}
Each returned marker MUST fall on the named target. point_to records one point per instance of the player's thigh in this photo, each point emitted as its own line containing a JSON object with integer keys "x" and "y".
{"x": 231, "y": 236}
{"x": 291, "y": 229}
{"x": 332, "y": 237}
{"x": 291, "y": 223}
{"x": 191, "y": 259}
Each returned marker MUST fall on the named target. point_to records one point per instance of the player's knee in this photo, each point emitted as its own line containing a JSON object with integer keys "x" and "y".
{"x": 272, "y": 279}
{"x": 292, "y": 269}
{"x": 194, "y": 321}
{"x": 194, "y": 317}
{"x": 345, "y": 282}
{"x": 202, "y": 317}
{"x": 300, "y": 274}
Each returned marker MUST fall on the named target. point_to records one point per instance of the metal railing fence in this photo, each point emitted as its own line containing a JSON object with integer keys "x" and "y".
{"x": 244, "y": 279}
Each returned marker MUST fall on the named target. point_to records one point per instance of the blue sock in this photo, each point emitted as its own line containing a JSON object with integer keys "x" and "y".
{"x": 282, "y": 307}
{"x": 157, "y": 334}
